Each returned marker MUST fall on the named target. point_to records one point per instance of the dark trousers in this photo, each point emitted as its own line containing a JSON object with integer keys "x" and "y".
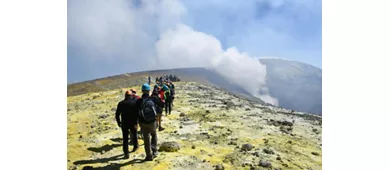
{"x": 168, "y": 106}
{"x": 125, "y": 137}
{"x": 147, "y": 131}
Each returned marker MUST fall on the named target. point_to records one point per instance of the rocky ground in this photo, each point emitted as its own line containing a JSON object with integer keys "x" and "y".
{"x": 208, "y": 129}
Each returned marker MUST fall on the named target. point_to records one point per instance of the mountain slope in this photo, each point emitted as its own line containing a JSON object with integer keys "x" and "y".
{"x": 211, "y": 126}
{"x": 297, "y": 86}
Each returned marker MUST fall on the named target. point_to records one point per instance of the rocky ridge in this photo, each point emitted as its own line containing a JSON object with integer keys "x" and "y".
{"x": 208, "y": 129}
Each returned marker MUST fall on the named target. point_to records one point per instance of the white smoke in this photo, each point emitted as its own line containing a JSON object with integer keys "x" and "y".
{"x": 154, "y": 36}
{"x": 185, "y": 45}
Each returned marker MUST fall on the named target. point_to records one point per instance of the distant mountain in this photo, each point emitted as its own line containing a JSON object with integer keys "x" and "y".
{"x": 297, "y": 86}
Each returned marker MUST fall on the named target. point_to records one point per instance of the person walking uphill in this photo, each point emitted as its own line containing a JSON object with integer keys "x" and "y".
{"x": 157, "y": 92}
{"x": 147, "y": 120}
{"x": 168, "y": 99}
{"x": 126, "y": 116}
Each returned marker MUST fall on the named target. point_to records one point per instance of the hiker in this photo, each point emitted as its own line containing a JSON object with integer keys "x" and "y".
{"x": 161, "y": 79}
{"x": 172, "y": 88}
{"x": 170, "y": 77}
{"x": 147, "y": 121}
{"x": 134, "y": 94}
{"x": 156, "y": 80}
{"x": 157, "y": 92}
{"x": 168, "y": 99}
{"x": 149, "y": 80}
{"x": 126, "y": 116}
{"x": 155, "y": 89}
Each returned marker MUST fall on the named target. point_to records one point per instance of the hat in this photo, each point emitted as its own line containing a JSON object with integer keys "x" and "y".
{"x": 145, "y": 87}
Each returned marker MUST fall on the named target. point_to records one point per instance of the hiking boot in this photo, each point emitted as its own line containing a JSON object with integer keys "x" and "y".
{"x": 148, "y": 159}
{"x": 161, "y": 128}
{"x": 126, "y": 156}
{"x": 155, "y": 154}
{"x": 135, "y": 149}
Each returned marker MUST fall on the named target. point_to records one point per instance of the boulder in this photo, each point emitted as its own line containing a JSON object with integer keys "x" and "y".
{"x": 169, "y": 146}
{"x": 265, "y": 163}
{"x": 247, "y": 147}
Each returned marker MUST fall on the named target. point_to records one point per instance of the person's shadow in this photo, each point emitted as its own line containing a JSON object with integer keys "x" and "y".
{"x": 106, "y": 160}
{"x": 102, "y": 160}
{"x": 114, "y": 166}
{"x": 104, "y": 148}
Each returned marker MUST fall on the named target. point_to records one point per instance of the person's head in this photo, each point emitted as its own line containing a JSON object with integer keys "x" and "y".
{"x": 145, "y": 88}
{"x": 165, "y": 87}
{"x": 128, "y": 94}
{"x": 133, "y": 91}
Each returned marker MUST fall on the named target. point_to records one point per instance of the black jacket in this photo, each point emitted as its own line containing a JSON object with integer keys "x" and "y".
{"x": 155, "y": 100}
{"x": 127, "y": 111}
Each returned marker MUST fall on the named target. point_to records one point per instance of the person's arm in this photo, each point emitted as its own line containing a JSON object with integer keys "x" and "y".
{"x": 117, "y": 115}
{"x": 138, "y": 105}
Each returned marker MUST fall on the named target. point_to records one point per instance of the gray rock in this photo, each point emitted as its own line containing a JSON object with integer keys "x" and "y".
{"x": 257, "y": 154}
{"x": 169, "y": 146}
{"x": 193, "y": 147}
{"x": 182, "y": 114}
{"x": 113, "y": 109}
{"x": 315, "y": 153}
{"x": 103, "y": 116}
{"x": 278, "y": 158}
{"x": 247, "y": 147}
{"x": 207, "y": 111}
{"x": 287, "y": 123}
{"x": 268, "y": 151}
{"x": 265, "y": 163}
{"x": 219, "y": 167}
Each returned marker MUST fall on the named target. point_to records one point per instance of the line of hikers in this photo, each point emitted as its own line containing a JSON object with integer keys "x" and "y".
{"x": 165, "y": 78}
{"x": 146, "y": 111}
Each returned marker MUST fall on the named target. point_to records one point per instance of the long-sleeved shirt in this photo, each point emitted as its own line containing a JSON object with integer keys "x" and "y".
{"x": 127, "y": 112}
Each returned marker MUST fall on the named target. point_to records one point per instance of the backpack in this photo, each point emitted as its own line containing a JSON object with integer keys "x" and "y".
{"x": 172, "y": 92}
{"x": 148, "y": 110}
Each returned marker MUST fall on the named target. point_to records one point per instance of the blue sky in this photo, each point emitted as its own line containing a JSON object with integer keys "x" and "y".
{"x": 288, "y": 29}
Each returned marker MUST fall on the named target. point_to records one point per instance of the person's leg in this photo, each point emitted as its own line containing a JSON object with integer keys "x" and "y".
{"x": 158, "y": 120}
{"x": 154, "y": 142}
{"x": 134, "y": 138}
{"x": 169, "y": 107}
{"x": 146, "y": 134}
{"x": 160, "y": 128}
{"x": 166, "y": 108}
{"x": 125, "y": 137}
{"x": 173, "y": 98}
